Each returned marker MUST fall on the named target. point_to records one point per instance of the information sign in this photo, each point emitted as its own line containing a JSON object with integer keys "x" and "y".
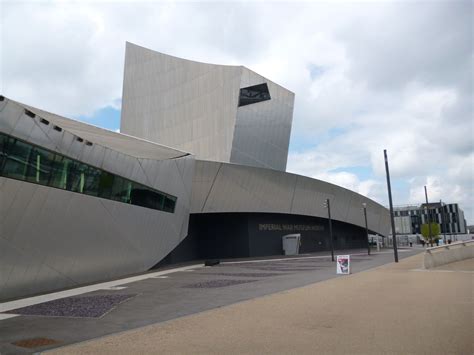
{"x": 343, "y": 263}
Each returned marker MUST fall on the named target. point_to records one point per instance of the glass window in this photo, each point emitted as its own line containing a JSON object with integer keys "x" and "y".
{"x": 91, "y": 181}
{"x": 3, "y": 149}
{"x": 41, "y": 161}
{"x": 16, "y": 159}
{"x": 142, "y": 196}
{"x": 76, "y": 176}
{"x": 27, "y": 162}
{"x": 170, "y": 202}
{"x": 58, "y": 177}
{"x": 116, "y": 189}
{"x": 254, "y": 94}
{"x": 127, "y": 191}
{"x": 106, "y": 182}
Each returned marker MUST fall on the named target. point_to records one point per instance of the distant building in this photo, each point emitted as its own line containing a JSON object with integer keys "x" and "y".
{"x": 408, "y": 219}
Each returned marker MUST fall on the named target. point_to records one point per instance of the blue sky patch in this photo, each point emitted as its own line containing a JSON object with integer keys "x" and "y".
{"x": 315, "y": 71}
{"x": 106, "y": 117}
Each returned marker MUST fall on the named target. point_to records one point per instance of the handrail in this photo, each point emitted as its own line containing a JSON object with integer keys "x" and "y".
{"x": 447, "y": 246}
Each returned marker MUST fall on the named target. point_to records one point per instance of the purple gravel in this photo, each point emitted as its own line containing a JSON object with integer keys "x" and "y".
{"x": 296, "y": 270}
{"x": 265, "y": 268}
{"x": 282, "y": 264}
{"x": 217, "y": 283}
{"x": 81, "y": 307}
{"x": 245, "y": 274}
{"x": 285, "y": 268}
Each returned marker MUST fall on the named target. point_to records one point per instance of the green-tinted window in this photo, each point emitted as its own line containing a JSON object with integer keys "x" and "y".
{"x": 17, "y": 156}
{"x": 143, "y": 196}
{"x": 105, "y": 185}
{"x": 170, "y": 202}
{"x": 23, "y": 161}
{"x": 91, "y": 181}
{"x": 3, "y": 150}
{"x": 116, "y": 189}
{"x": 76, "y": 176}
{"x": 58, "y": 176}
{"x": 41, "y": 166}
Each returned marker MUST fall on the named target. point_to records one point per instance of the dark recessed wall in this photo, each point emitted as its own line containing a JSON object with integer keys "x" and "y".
{"x": 237, "y": 235}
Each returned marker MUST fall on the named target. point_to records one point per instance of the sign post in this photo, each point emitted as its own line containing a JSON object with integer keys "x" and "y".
{"x": 343, "y": 264}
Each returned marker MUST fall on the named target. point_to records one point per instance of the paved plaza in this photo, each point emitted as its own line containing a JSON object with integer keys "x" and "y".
{"x": 263, "y": 306}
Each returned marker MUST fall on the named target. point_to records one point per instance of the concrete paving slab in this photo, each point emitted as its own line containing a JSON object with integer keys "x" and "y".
{"x": 164, "y": 299}
{"x": 386, "y": 310}
{"x": 463, "y": 265}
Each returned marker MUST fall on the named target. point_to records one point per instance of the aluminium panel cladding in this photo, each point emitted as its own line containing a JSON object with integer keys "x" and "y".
{"x": 193, "y": 106}
{"x": 262, "y": 130}
{"x": 221, "y": 187}
{"x": 128, "y": 145}
{"x": 180, "y": 103}
{"x": 52, "y": 238}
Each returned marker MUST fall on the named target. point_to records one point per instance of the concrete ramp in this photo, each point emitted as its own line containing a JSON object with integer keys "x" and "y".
{"x": 449, "y": 253}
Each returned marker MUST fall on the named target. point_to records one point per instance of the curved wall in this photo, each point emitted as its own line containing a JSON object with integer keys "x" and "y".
{"x": 180, "y": 103}
{"x": 230, "y": 188}
{"x": 51, "y": 238}
{"x": 242, "y": 235}
{"x": 194, "y": 107}
{"x": 262, "y": 130}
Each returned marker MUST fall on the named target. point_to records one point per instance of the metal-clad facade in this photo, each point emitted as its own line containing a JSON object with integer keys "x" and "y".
{"x": 230, "y": 188}
{"x": 194, "y": 107}
{"x": 52, "y": 238}
{"x": 180, "y": 103}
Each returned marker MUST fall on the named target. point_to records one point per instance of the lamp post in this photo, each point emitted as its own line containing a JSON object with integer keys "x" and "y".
{"x": 392, "y": 220}
{"x": 443, "y": 220}
{"x": 327, "y": 204}
{"x": 428, "y": 216}
{"x": 366, "y": 228}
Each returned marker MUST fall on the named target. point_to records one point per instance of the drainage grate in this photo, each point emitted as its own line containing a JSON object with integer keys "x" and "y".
{"x": 80, "y": 307}
{"x": 217, "y": 283}
{"x": 35, "y": 342}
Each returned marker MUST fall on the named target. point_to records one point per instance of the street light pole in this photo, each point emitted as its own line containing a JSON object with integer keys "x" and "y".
{"x": 392, "y": 220}
{"x": 366, "y": 228}
{"x": 428, "y": 216}
{"x": 443, "y": 219}
{"x": 328, "y": 206}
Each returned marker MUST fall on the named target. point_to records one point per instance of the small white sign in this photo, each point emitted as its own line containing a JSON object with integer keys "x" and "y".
{"x": 343, "y": 264}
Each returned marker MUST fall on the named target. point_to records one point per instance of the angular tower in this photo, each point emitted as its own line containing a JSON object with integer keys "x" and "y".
{"x": 216, "y": 112}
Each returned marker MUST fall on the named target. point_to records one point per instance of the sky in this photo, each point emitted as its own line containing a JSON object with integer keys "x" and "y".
{"x": 368, "y": 76}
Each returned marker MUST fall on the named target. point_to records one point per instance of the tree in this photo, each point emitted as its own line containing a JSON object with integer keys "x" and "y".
{"x": 435, "y": 231}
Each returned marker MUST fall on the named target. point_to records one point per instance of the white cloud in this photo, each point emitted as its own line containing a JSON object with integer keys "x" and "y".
{"x": 370, "y": 187}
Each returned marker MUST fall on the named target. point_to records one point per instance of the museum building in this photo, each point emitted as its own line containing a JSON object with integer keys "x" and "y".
{"x": 197, "y": 172}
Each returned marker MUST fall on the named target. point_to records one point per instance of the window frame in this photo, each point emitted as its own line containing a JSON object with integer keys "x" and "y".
{"x": 75, "y": 175}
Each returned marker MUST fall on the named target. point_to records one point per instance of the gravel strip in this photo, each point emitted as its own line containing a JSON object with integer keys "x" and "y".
{"x": 245, "y": 274}
{"x": 217, "y": 283}
{"x": 79, "y": 307}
